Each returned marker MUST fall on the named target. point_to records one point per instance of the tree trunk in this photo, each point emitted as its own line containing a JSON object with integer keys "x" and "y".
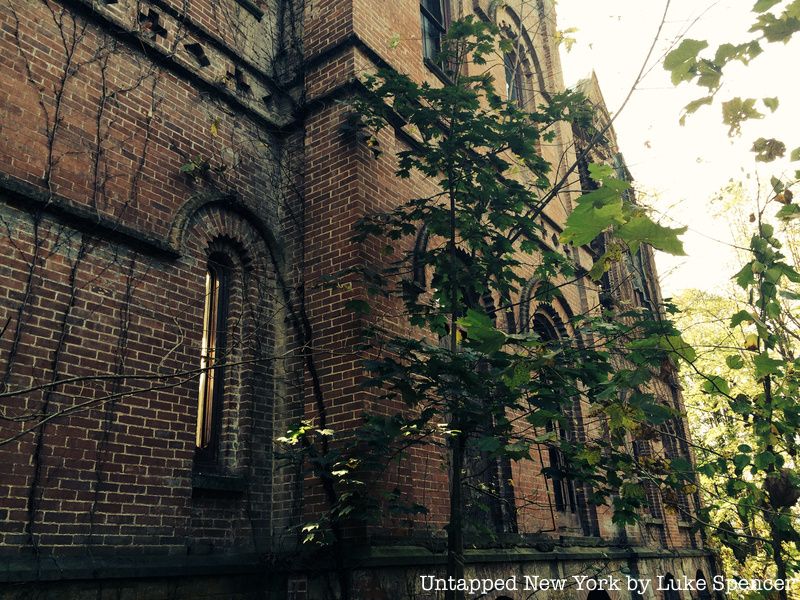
{"x": 777, "y": 557}
{"x": 455, "y": 528}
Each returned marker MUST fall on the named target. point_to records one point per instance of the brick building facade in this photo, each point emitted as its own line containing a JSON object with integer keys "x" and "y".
{"x": 173, "y": 177}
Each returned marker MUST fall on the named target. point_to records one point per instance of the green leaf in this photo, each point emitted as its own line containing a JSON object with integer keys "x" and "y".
{"x": 517, "y": 451}
{"x": 601, "y": 265}
{"x": 740, "y": 461}
{"x": 682, "y": 61}
{"x": 680, "y": 464}
{"x": 488, "y": 444}
{"x": 707, "y": 469}
{"x": 657, "y": 413}
{"x": 716, "y": 385}
{"x": 481, "y": 332}
{"x": 599, "y": 171}
{"x": 777, "y": 29}
{"x": 741, "y": 317}
{"x": 745, "y": 278}
{"x": 360, "y": 307}
{"x": 734, "y": 361}
{"x": 788, "y": 212}
{"x": 518, "y": 374}
{"x": 586, "y": 221}
{"x": 795, "y": 154}
{"x": 766, "y": 365}
{"x": 735, "y": 111}
{"x": 677, "y": 345}
{"x": 764, "y": 5}
{"x": 762, "y": 460}
{"x": 771, "y": 103}
{"x": 632, "y": 491}
{"x": 768, "y": 150}
{"x": 693, "y": 106}
{"x": 642, "y": 229}
{"x": 789, "y": 272}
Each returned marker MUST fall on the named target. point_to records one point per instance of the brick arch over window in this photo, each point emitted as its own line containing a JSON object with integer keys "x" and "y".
{"x": 200, "y": 204}
{"x": 492, "y": 472}
{"x": 547, "y": 325}
{"x": 559, "y": 312}
{"x": 705, "y": 593}
{"x": 670, "y": 585}
{"x": 418, "y": 268}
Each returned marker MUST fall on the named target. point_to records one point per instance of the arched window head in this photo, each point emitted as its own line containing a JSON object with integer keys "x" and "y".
{"x": 211, "y": 390}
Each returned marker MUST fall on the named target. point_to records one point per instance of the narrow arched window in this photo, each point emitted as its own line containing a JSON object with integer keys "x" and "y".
{"x": 564, "y": 495}
{"x": 670, "y": 587}
{"x": 212, "y": 359}
{"x": 703, "y": 587}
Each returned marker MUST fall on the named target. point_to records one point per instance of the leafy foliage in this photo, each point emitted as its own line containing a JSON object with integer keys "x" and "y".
{"x": 459, "y": 382}
{"x": 745, "y": 404}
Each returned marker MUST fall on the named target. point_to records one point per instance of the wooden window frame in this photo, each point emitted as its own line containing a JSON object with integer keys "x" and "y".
{"x": 439, "y": 25}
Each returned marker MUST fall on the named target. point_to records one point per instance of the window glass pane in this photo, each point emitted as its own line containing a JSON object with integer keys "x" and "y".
{"x": 434, "y": 7}
{"x": 210, "y": 391}
{"x": 206, "y": 391}
{"x": 513, "y": 78}
{"x": 431, "y": 39}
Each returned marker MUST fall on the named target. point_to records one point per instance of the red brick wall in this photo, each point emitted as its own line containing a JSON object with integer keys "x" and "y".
{"x": 104, "y": 274}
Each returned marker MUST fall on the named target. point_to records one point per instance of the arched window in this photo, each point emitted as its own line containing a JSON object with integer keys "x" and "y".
{"x": 705, "y": 592}
{"x": 670, "y": 443}
{"x": 211, "y": 391}
{"x": 564, "y": 497}
{"x": 670, "y": 587}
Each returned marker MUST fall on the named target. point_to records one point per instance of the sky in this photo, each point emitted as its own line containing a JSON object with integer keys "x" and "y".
{"x": 678, "y": 170}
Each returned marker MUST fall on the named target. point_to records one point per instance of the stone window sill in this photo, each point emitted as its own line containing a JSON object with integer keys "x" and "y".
{"x": 438, "y": 71}
{"x": 218, "y": 482}
{"x": 252, "y": 8}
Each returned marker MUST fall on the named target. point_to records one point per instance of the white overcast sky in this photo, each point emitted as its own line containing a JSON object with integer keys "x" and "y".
{"x": 680, "y": 169}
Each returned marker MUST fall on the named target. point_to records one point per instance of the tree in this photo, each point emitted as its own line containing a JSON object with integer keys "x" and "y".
{"x": 457, "y": 380}
{"x": 752, "y": 360}
{"x": 743, "y": 390}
